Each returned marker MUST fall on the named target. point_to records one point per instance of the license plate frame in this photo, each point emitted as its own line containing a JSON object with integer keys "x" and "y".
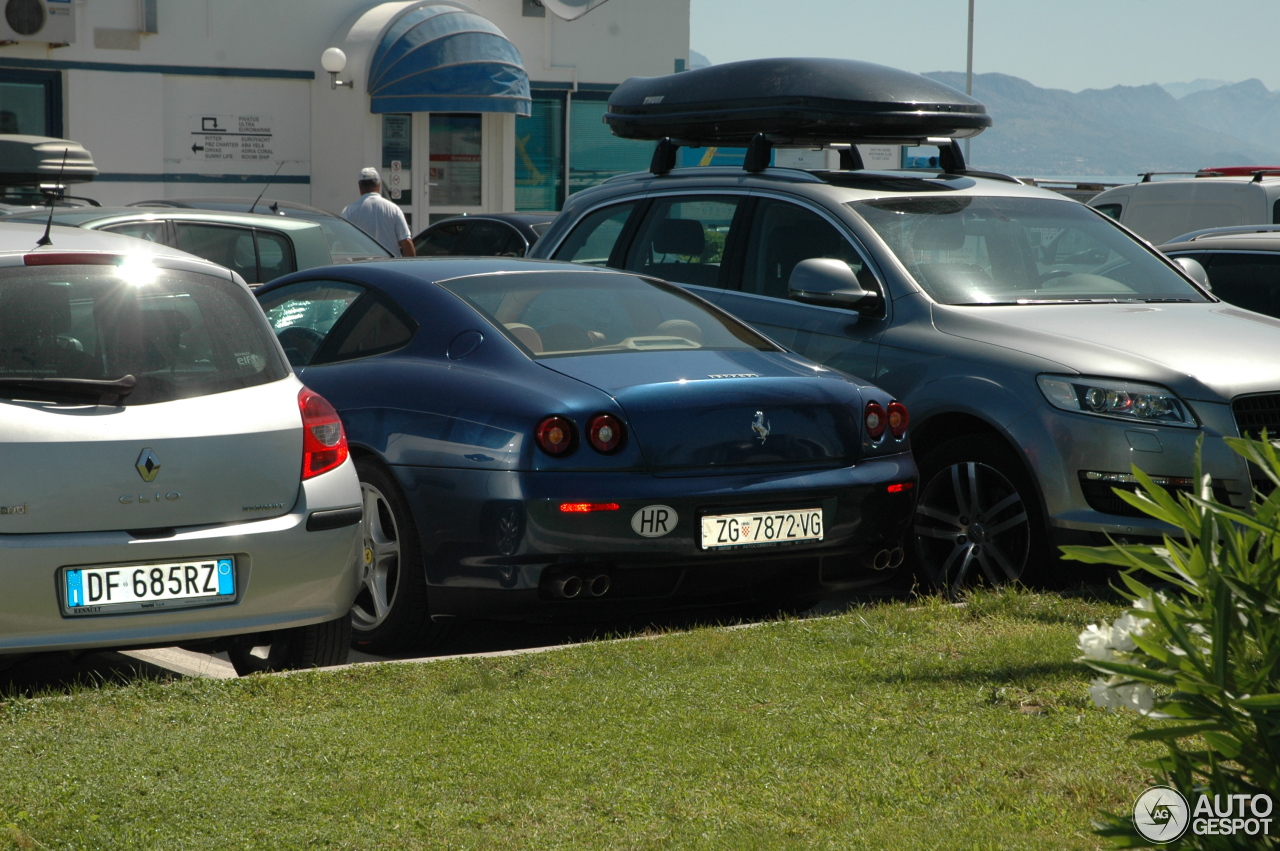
{"x": 721, "y": 532}
{"x": 110, "y": 589}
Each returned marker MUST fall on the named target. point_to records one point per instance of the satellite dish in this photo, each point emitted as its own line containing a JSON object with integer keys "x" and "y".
{"x": 571, "y": 9}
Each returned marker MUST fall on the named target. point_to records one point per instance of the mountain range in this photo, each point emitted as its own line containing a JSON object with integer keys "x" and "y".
{"x": 1124, "y": 130}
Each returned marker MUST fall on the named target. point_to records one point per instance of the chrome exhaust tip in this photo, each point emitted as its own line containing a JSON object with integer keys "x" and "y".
{"x": 896, "y": 557}
{"x": 599, "y": 585}
{"x": 880, "y": 560}
{"x": 567, "y": 587}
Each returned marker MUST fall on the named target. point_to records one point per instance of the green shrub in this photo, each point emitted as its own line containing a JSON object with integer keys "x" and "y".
{"x": 1198, "y": 652}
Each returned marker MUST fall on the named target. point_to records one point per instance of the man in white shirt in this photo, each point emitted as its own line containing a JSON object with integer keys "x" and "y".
{"x": 378, "y": 217}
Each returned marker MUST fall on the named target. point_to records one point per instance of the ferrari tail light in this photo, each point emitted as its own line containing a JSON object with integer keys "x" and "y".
{"x": 899, "y": 419}
{"x": 324, "y": 442}
{"x": 605, "y": 433}
{"x": 875, "y": 420}
{"x": 555, "y": 435}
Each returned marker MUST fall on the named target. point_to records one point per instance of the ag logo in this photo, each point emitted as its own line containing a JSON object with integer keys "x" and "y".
{"x": 1161, "y": 814}
{"x": 654, "y": 521}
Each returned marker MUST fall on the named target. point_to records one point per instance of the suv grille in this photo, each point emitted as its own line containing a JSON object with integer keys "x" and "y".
{"x": 1255, "y": 413}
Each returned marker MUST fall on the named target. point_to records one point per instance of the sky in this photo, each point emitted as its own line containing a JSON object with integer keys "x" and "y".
{"x": 1066, "y": 44}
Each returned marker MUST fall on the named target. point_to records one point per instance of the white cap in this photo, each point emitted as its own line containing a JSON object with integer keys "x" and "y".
{"x": 369, "y": 174}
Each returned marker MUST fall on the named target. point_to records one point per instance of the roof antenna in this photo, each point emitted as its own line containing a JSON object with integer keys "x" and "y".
{"x": 264, "y": 189}
{"x": 48, "y": 226}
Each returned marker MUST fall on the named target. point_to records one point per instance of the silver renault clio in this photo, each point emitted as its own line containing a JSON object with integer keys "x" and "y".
{"x": 165, "y": 479}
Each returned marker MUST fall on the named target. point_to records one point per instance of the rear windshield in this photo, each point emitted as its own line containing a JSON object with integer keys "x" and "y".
{"x": 346, "y": 241}
{"x": 178, "y": 334}
{"x": 555, "y": 314}
{"x": 994, "y": 250}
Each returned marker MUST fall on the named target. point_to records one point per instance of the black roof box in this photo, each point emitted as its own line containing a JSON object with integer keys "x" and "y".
{"x": 804, "y": 100}
{"x": 32, "y": 160}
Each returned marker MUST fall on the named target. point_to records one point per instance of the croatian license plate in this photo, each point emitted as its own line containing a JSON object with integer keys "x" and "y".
{"x": 112, "y": 588}
{"x": 759, "y": 528}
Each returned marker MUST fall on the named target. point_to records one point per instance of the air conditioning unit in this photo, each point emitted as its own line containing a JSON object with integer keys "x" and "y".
{"x": 48, "y": 21}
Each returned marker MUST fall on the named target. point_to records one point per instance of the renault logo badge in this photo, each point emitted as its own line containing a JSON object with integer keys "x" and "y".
{"x": 760, "y": 427}
{"x": 148, "y": 465}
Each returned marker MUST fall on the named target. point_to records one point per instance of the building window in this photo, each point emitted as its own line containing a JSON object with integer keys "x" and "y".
{"x": 595, "y": 154}
{"x": 540, "y": 156}
{"x": 31, "y": 102}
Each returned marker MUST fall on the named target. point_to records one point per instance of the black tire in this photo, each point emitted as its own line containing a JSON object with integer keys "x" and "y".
{"x": 977, "y": 519}
{"x": 316, "y": 646}
{"x": 390, "y": 614}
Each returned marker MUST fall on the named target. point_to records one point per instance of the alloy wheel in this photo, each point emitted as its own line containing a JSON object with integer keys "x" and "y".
{"x": 379, "y": 561}
{"x": 971, "y": 524}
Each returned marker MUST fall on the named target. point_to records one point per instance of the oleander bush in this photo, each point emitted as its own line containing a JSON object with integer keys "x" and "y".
{"x": 1198, "y": 650}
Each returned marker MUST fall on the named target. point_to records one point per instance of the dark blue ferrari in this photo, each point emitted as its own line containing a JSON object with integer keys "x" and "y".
{"x": 540, "y": 440}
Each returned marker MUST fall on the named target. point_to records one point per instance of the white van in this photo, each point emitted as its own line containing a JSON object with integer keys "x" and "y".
{"x": 1160, "y": 210}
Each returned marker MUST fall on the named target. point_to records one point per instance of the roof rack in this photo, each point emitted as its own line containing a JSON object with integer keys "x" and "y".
{"x": 950, "y": 155}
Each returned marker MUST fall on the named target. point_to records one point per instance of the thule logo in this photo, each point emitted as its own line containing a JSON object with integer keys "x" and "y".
{"x": 735, "y": 375}
{"x": 654, "y": 99}
{"x": 13, "y": 509}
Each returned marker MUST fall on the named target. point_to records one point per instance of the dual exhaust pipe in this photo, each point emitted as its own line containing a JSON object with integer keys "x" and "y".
{"x": 885, "y": 559}
{"x": 572, "y": 586}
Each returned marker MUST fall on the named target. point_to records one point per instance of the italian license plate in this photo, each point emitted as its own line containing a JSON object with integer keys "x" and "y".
{"x": 148, "y": 587}
{"x": 759, "y": 528}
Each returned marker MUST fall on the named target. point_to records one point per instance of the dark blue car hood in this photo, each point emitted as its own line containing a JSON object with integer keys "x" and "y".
{"x": 707, "y": 410}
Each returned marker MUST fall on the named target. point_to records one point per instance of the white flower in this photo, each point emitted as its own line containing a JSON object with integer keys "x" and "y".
{"x": 1103, "y": 694}
{"x": 1095, "y": 643}
{"x": 1121, "y": 631}
{"x": 1138, "y": 697}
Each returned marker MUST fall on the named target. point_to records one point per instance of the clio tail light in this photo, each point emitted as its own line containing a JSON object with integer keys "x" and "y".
{"x": 324, "y": 442}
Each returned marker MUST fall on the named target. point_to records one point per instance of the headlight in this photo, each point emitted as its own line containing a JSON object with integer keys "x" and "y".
{"x": 1123, "y": 400}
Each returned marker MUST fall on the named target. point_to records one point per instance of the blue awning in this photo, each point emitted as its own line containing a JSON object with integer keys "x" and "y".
{"x": 444, "y": 59}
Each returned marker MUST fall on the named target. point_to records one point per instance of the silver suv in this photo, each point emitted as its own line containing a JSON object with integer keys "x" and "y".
{"x": 167, "y": 480}
{"x": 1041, "y": 349}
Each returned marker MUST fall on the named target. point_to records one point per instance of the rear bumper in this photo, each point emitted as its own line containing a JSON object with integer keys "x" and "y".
{"x": 498, "y": 544}
{"x": 286, "y": 576}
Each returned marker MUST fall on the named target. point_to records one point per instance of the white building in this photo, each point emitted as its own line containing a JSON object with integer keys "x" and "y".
{"x": 479, "y": 106}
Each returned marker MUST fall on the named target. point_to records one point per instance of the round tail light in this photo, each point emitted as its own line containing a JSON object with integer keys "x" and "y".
{"x": 899, "y": 419}
{"x": 875, "y": 420}
{"x": 604, "y": 433}
{"x": 555, "y": 435}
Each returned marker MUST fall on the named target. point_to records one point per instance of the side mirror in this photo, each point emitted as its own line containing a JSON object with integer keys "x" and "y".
{"x": 828, "y": 282}
{"x": 1194, "y": 270}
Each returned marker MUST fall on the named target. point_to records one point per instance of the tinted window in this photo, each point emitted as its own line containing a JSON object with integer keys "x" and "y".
{"x": 1251, "y": 281}
{"x": 227, "y": 246}
{"x": 378, "y": 330}
{"x": 551, "y": 314}
{"x": 492, "y": 239}
{"x": 994, "y": 250}
{"x": 275, "y": 255}
{"x": 683, "y": 240}
{"x": 439, "y": 239}
{"x": 150, "y": 231}
{"x": 593, "y": 239}
{"x": 1112, "y": 210}
{"x": 782, "y": 235}
{"x": 179, "y": 334}
{"x": 303, "y": 314}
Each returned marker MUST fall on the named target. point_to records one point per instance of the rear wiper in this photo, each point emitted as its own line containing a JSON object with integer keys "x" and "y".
{"x": 102, "y": 390}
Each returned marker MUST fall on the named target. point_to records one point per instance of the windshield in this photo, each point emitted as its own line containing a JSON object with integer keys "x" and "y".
{"x": 994, "y": 250}
{"x": 553, "y": 314}
{"x": 178, "y": 334}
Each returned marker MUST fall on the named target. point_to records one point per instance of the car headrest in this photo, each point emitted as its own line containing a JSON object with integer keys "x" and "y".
{"x": 939, "y": 233}
{"x": 679, "y": 236}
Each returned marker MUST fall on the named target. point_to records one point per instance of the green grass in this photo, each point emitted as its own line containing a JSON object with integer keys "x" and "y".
{"x": 891, "y": 726}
